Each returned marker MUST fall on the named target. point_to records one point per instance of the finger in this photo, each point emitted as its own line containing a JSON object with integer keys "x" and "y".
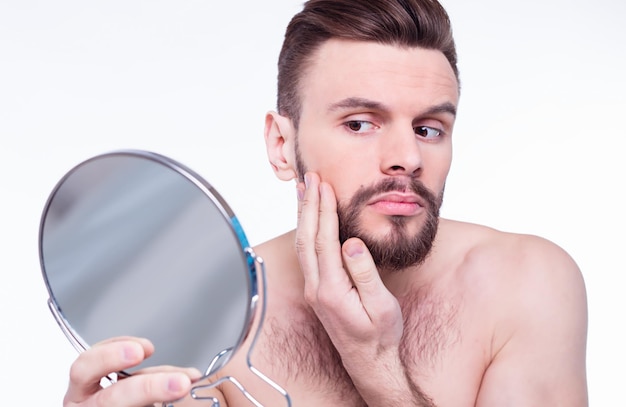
{"x": 328, "y": 248}
{"x": 306, "y": 232}
{"x": 191, "y": 372}
{"x": 375, "y": 297}
{"x": 145, "y": 343}
{"x": 142, "y": 390}
{"x": 100, "y": 360}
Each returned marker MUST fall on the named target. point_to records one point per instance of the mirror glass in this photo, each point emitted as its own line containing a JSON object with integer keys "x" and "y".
{"x": 134, "y": 243}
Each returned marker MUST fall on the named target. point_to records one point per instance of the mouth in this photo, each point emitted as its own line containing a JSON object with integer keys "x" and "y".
{"x": 397, "y": 204}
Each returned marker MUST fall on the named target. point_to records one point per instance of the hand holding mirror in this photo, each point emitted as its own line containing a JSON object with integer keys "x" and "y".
{"x": 134, "y": 243}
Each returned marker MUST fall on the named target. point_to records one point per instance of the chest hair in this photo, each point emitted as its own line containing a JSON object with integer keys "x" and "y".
{"x": 304, "y": 352}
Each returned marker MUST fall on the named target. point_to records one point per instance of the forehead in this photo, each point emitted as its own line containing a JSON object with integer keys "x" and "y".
{"x": 396, "y": 76}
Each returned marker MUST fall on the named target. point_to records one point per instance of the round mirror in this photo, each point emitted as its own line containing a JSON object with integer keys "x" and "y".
{"x": 134, "y": 243}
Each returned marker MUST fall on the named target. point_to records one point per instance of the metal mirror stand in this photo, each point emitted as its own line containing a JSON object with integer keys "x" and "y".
{"x": 259, "y": 304}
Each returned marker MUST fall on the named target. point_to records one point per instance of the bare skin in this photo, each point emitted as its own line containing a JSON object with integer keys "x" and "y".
{"x": 488, "y": 319}
{"x": 475, "y": 314}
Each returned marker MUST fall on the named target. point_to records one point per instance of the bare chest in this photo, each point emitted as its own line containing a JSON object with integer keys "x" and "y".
{"x": 435, "y": 348}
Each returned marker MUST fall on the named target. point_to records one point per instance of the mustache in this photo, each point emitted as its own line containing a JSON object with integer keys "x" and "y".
{"x": 364, "y": 194}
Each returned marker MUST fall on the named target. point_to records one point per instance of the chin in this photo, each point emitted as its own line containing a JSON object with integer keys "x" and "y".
{"x": 396, "y": 244}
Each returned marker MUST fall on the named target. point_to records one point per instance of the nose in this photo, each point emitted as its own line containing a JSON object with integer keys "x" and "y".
{"x": 401, "y": 153}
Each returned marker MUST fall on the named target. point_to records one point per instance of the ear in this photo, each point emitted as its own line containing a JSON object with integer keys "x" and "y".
{"x": 280, "y": 144}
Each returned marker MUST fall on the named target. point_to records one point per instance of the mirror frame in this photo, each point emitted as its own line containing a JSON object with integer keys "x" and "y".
{"x": 206, "y": 189}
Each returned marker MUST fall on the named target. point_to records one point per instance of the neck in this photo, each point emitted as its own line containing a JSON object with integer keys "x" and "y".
{"x": 401, "y": 282}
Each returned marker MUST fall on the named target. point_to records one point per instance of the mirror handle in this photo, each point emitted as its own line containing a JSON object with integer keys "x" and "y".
{"x": 258, "y": 261}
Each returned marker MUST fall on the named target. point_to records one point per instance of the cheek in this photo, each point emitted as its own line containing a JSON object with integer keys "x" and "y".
{"x": 344, "y": 184}
{"x": 440, "y": 161}
{"x": 346, "y": 172}
{"x": 436, "y": 169}
{"x": 444, "y": 171}
{"x": 446, "y": 168}
{"x": 334, "y": 162}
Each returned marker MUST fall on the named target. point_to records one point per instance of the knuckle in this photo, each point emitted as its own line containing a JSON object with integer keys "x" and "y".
{"x": 321, "y": 245}
{"x": 362, "y": 276}
{"x": 304, "y": 202}
{"x": 389, "y": 312}
{"x": 103, "y": 398}
{"x": 147, "y": 387}
{"x": 328, "y": 299}
{"x": 78, "y": 372}
{"x": 300, "y": 244}
{"x": 310, "y": 296}
{"x": 327, "y": 242}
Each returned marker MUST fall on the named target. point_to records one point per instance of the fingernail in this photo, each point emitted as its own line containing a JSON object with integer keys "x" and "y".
{"x": 129, "y": 353}
{"x": 174, "y": 384}
{"x": 354, "y": 249}
{"x": 306, "y": 180}
{"x": 300, "y": 192}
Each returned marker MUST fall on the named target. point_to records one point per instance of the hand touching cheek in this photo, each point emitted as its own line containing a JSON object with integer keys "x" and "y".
{"x": 342, "y": 284}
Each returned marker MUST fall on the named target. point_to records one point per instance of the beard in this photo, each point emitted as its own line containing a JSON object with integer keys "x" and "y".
{"x": 399, "y": 249}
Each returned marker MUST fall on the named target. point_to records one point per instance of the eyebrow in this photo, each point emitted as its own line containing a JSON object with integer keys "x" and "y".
{"x": 445, "y": 107}
{"x": 356, "y": 102}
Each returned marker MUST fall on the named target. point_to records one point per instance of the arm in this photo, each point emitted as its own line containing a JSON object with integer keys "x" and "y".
{"x": 541, "y": 356}
{"x": 145, "y": 387}
{"x": 362, "y": 318}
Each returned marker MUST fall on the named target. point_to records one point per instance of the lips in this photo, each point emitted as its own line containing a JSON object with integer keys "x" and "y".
{"x": 397, "y": 204}
{"x": 399, "y": 197}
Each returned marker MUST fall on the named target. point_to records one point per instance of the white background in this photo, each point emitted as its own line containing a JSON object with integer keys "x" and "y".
{"x": 538, "y": 140}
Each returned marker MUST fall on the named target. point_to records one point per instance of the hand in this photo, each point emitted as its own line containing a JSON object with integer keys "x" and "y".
{"x": 342, "y": 285}
{"x": 145, "y": 387}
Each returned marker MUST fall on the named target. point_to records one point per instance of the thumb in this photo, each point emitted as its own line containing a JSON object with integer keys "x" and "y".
{"x": 379, "y": 303}
{"x": 363, "y": 272}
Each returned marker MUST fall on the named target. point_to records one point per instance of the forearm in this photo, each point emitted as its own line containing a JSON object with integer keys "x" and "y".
{"x": 387, "y": 383}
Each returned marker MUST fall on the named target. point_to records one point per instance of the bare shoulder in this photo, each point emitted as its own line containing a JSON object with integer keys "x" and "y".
{"x": 279, "y": 252}
{"x": 534, "y": 292}
{"x": 510, "y": 256}
{"x": 279, "y": 243}
{"x": 525, "y": 273}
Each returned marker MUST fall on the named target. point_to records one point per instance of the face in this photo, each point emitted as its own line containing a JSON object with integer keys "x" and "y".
{"x": 376, "y": 123}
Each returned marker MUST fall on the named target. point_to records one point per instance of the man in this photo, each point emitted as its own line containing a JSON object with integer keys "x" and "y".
{"x": 374, "y": 300}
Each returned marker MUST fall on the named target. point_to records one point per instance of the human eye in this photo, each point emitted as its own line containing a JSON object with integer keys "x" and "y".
{"x": 427, "y": 132}
{"x": 359, "y": 126}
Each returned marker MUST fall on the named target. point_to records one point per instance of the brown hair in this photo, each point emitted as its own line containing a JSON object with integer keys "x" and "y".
{"x": 409, "y": 23}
